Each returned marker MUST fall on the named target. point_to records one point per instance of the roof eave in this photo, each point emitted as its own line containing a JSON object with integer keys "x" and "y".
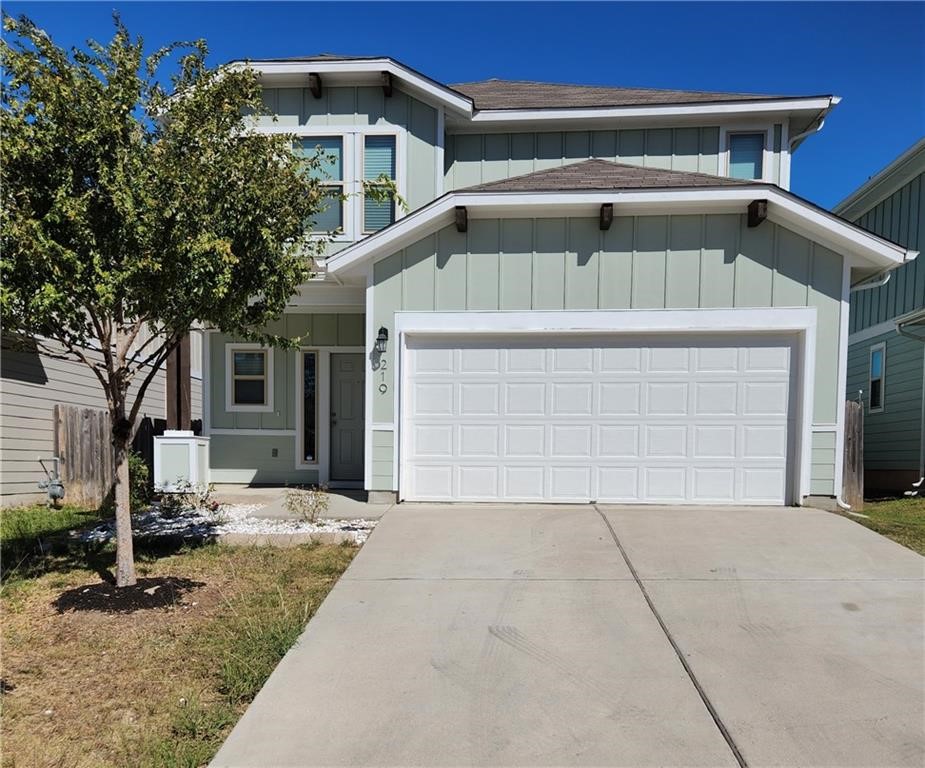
{"x": 864, "y": 247}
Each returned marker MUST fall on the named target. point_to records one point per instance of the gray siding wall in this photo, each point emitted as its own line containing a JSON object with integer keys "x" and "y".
{"x": 30, "y": 386}
{"x": 367, "y": 105}
{"x": 479, "y": 158}
{"x": 642, "y": 262}
{"x": 901, "y": 218}
{"x": 891, "y": 436}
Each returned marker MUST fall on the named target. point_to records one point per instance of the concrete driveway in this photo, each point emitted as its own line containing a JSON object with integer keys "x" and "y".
{"x": 605, "y": 636}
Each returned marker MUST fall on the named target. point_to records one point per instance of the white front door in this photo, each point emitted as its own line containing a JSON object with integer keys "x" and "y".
{"x": 658, "y": 418}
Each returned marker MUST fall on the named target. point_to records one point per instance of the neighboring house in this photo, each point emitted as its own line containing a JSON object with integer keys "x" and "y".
{"x": 597, "y": 294}
{"x": 886, "y": 353}
{"x": 31, "y": 384}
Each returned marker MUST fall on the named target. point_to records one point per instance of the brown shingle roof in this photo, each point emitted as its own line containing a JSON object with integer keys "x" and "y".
{"x": 525, "y": 94}
{"x": 591, "y": 175}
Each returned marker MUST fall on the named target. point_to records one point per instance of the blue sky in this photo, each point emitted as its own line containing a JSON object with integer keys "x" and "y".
{"x": 870, "y": 54}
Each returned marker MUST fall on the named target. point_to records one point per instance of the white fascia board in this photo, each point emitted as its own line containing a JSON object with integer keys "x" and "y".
{"x": 412, "y": 79}
{"x": 819, "y": 225}
{"x": 710, "y": 109}
{"x": 884, "y": 183}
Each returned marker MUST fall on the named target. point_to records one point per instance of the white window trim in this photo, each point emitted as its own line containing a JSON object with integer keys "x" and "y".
{"x": 767, "y": 156}
{"x": 798, "y": 320}
{"x": 880, "y": 347}
{"x": 230, "y": 405}
{"x": 352, "y": 137}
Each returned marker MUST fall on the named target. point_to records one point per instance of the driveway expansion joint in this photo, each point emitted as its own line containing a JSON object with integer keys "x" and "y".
{"x": 721, "y": 726}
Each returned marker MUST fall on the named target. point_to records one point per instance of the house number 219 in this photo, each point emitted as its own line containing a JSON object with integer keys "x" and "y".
{"x": 383, "y": 365}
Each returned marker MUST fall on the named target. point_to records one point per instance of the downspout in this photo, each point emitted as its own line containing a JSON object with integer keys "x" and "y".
{"x": 877, "y": 281}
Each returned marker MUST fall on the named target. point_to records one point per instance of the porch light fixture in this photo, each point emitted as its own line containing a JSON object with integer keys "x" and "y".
{"x": 381, "y": 340}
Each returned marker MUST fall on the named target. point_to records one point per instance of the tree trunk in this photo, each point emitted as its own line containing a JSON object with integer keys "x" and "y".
{"x": 125, "y": 556}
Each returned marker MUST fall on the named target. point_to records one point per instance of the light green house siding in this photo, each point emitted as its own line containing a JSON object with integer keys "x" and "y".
{"x": 253, "y": 453}
{"x": 644, "y": 262}
{"x": 344, "y": 106}
{"x": 900, "y": 218}
{"x": 891, "y": 436}
{"x": 479, "y": 158}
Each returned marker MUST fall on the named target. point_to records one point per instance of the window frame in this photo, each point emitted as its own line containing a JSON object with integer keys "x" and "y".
{"x": 230, "y": 405}
{"x": 874, "y": 348}
{"x": 767, "y": 155}
{"x": 331, "y": 183}
{"x": 353, "y": 142}
{"x": 361, "y": 167}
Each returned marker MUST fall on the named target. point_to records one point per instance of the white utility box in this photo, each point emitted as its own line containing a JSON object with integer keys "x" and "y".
{"x": 180, "y": 457}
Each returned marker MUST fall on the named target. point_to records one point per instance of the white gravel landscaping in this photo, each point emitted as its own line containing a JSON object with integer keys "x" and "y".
{"x": 227, "y": 519}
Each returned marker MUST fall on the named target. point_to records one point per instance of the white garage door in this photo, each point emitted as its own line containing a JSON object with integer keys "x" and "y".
{"x": 662, "y": 419}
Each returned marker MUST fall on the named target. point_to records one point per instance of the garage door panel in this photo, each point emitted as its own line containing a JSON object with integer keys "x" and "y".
{"x": 644, "y": 419}
{"x": 666, "y": 399}
{"x": 572, "y": 398}
{"x": 524, "y": 399}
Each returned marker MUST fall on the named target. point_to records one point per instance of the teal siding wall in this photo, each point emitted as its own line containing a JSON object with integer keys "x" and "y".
{"x": 901, "y": 218}
{"x": 892, "y": 436}
{"x": 314, "y": 330}
{"x": 367, "y": 105}
{"x": 641, "y": 262}
{"x": 229, "y": 455}
{"x": 479, "y": 158}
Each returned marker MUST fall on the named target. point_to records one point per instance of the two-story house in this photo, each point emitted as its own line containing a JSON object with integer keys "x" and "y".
{"x": 596, "y": 294}
{"x": 886, "y": 345}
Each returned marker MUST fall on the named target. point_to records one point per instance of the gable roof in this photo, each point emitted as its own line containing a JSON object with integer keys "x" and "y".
{"x": 529, "y": 94}
{"x": 597, "y": 174}
{"x": 525, "y": 104}
{"x": 581, "y": 188}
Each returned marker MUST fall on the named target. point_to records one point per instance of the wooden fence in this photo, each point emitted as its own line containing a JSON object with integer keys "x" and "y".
{"x": 83, "y": 441}
{"x": 853, "y": 484}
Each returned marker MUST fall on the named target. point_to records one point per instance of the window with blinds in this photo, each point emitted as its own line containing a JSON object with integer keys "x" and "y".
{"x": 330, "y": 172}
{"x": 378, "y": 161}
{"x": 249, "y": 378}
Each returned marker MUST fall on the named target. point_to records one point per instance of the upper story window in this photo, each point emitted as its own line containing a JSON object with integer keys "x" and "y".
{"x": 877, "y": 364}
{"x": 378, "y": 161}
{"x": 746, "y": 155}
{"x": 331, "y": 173}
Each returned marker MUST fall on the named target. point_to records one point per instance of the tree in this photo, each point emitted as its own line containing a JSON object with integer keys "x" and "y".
{"x": 131, "y": 212}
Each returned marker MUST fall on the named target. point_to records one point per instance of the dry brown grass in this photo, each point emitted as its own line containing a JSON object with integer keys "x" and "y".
{"x": 160, "y": 684}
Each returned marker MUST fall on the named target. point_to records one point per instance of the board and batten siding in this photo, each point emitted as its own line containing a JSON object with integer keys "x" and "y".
{"x": 480, "y": 158}
{"x": 252, "y": 452}
{"x": 643, "y": 262}
{"x": 30, "y": 386}
{"x": 891, "y": 436}
{"x": 900, "y": 218}
{"x": 341, "y": 106}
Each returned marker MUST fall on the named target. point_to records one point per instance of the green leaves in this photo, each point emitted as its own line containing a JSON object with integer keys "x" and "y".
{"x": 131, "y": 201}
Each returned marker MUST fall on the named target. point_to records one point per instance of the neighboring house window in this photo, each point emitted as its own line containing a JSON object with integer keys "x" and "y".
{"x": 249, "y": 381}
{"x": 331, "y": 174}
{"x": 378, "y": 161}
{"x": 309, "y": 407}
{"x": 746, "y": 155}
{"x": 877, "y": 368}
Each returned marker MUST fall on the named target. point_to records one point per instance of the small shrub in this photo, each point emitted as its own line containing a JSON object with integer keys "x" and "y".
{"x": 139, "y": 482}
{"x": 186, "y": 497}
{"x": 310, "y": 503}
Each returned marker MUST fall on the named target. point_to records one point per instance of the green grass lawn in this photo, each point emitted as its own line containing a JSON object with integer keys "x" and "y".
{"x": 150, "y": 676}
{"x": 902, "y": 520}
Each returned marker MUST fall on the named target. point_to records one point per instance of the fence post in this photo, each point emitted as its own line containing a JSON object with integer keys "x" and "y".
{"x": 853, "y": 475}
